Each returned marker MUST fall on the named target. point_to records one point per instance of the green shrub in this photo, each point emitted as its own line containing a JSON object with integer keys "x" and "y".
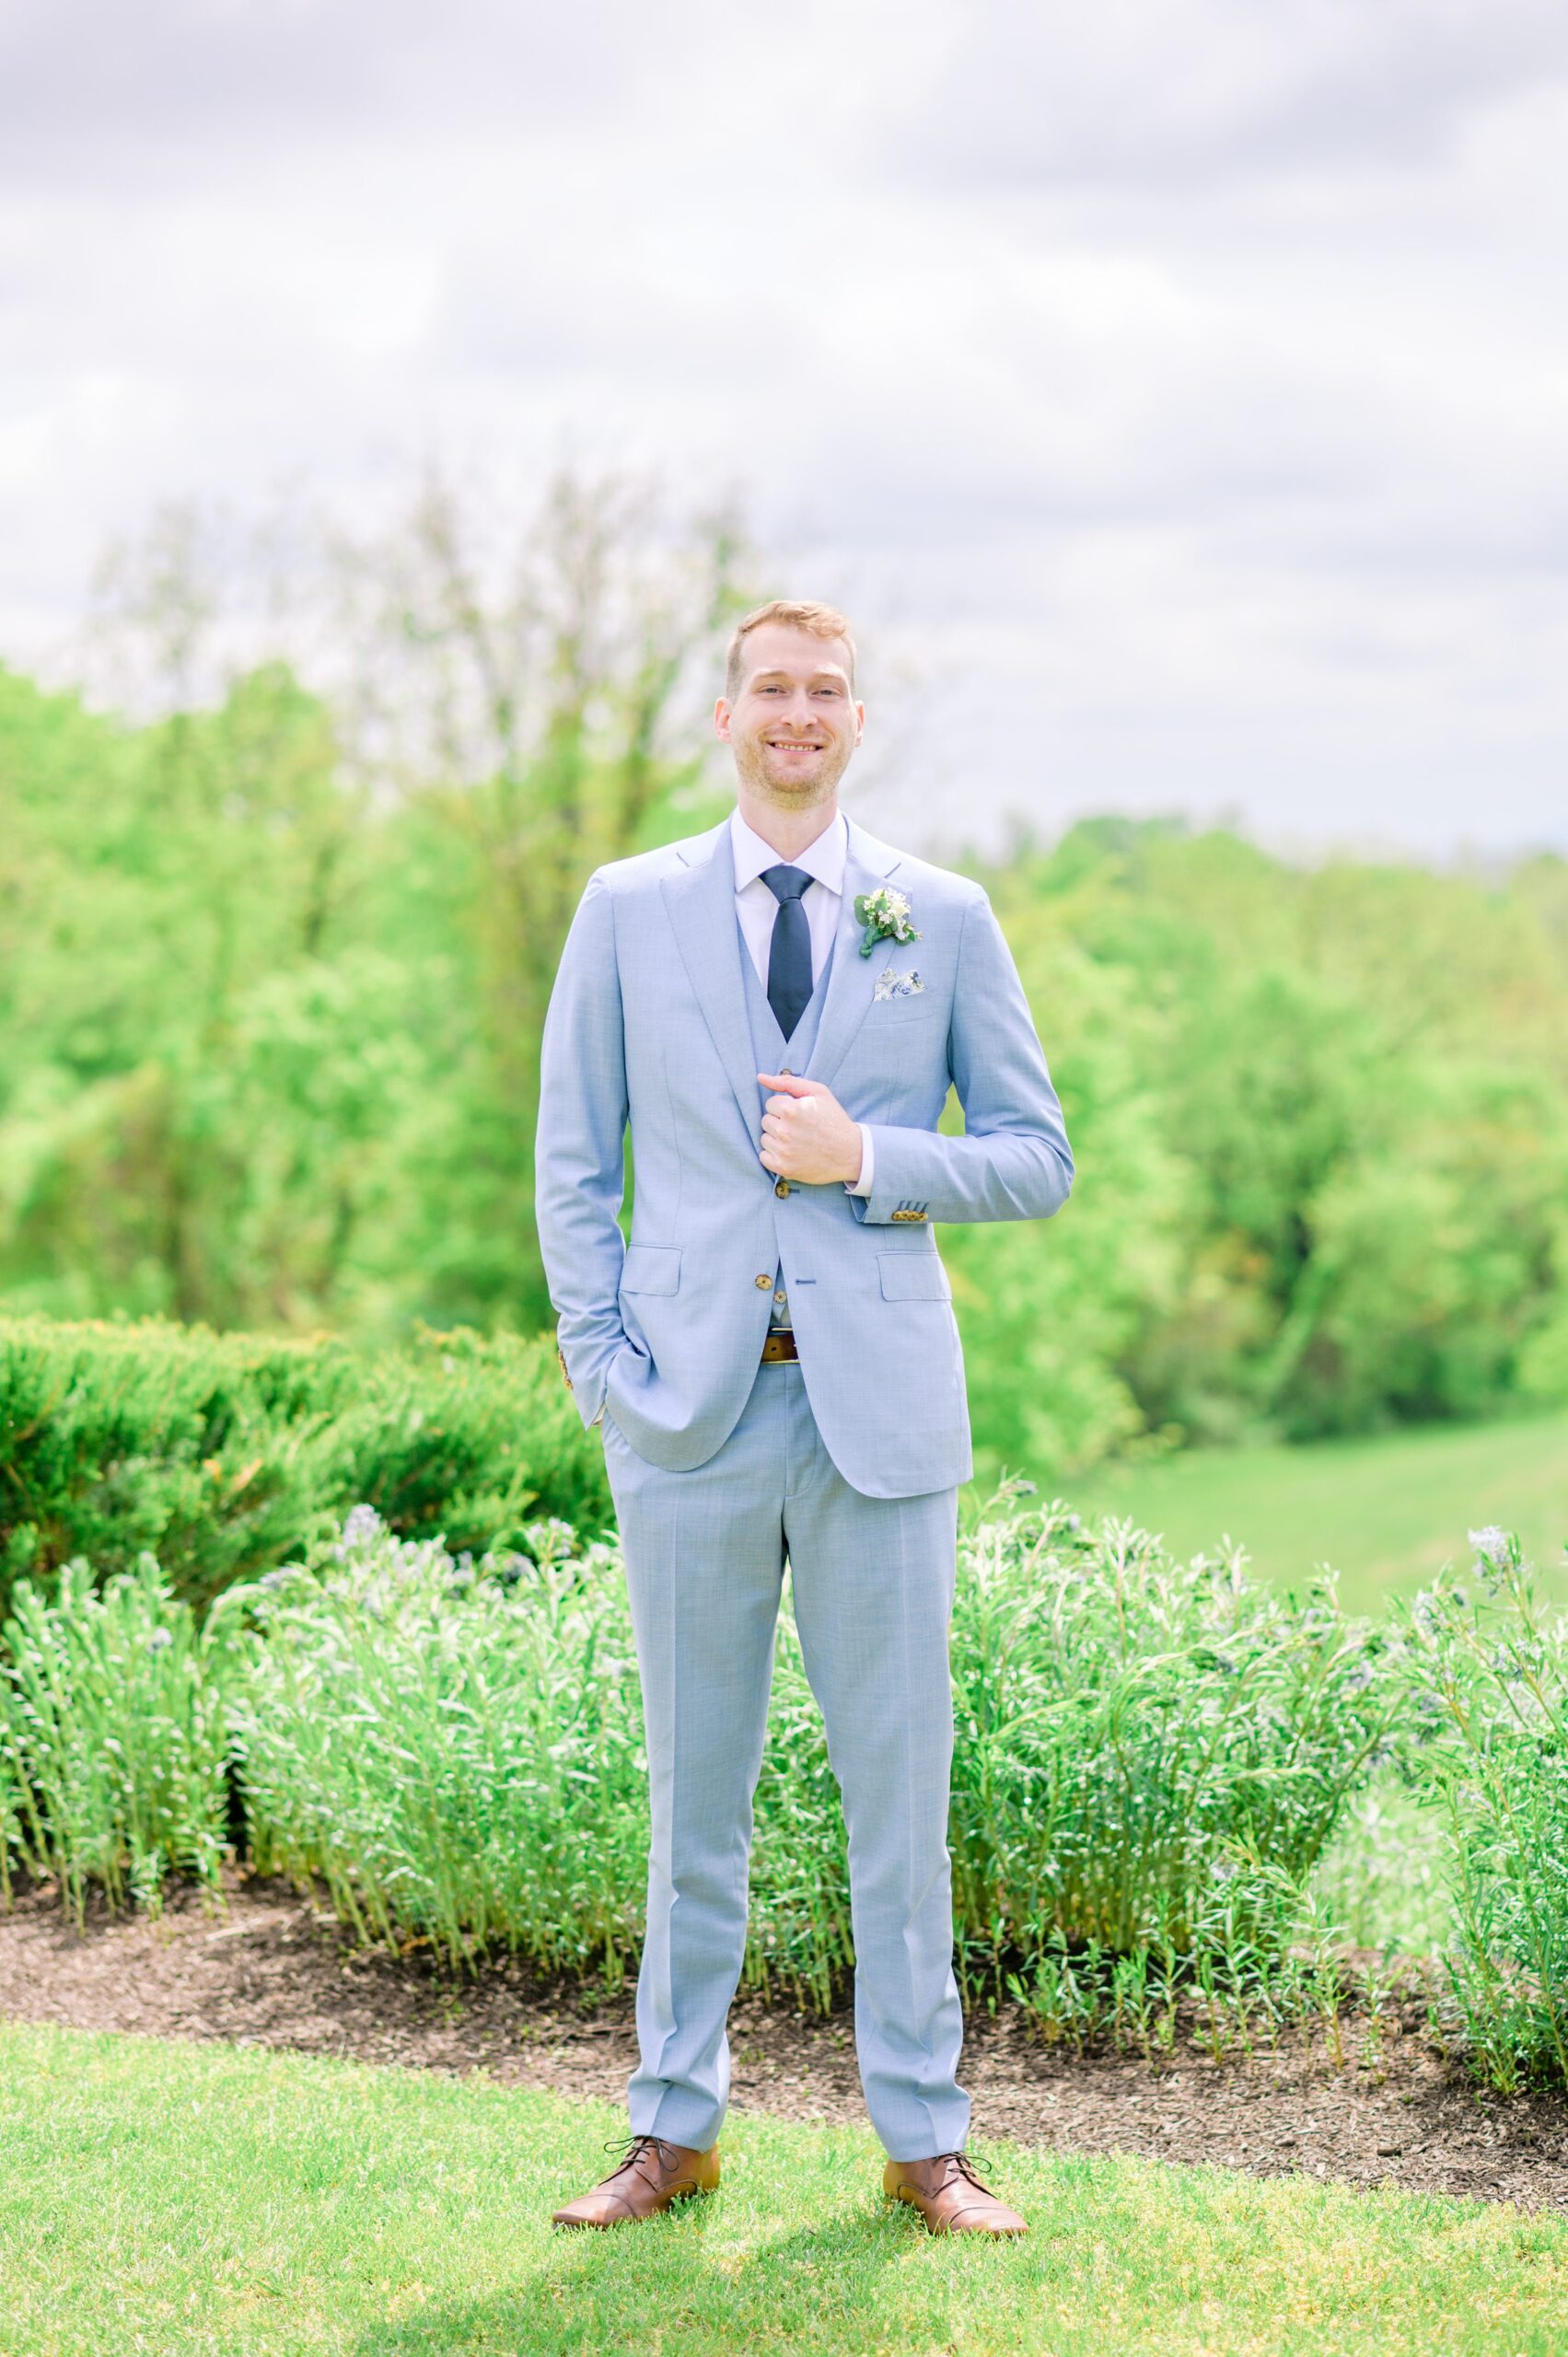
{"x": 1149, "y": 1756}
{"x": 113, "y": 1736}
{"x": 1154, "y": 1765}
{"x": 1489, "y": 1669}
{"x": 1382, "y": 1880}
{"x": 455, "y": 1748}
{"x": 223, "y": 1454}
{"x": 1152, "y": 1755}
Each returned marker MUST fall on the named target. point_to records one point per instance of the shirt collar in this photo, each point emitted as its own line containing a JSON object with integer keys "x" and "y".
{"x": 822, "y": 858}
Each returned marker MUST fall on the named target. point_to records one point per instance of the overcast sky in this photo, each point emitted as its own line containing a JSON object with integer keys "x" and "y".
{"x": 1175, "y": 389}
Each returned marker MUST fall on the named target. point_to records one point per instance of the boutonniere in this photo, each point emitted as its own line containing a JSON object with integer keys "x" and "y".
{"x": 886, "y": 916}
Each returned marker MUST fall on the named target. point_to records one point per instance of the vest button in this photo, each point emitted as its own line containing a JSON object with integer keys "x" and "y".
{"x": 762, "y": 1282}
{"x": 781, "y": 1186}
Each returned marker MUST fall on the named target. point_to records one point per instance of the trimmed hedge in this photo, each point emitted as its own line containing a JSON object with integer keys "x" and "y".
{"x": 221, "y": 1455}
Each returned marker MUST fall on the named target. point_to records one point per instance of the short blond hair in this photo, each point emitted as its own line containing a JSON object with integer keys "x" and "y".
{"x": 794, "y": 613}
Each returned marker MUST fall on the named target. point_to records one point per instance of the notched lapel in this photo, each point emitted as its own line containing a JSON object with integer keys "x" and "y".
{"x": 701, "y": 902}
{"x": 852, "y": 978}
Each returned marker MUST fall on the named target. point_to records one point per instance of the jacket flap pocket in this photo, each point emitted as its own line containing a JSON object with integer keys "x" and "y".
{"x": 913, "y": 1276}
{"x": 651, "y": 1268}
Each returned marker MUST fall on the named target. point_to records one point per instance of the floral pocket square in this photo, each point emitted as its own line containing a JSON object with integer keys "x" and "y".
{"x": 891, "y": 984}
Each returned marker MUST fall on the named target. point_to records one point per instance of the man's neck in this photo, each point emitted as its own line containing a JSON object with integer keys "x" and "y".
{"x": 789, "y": 832}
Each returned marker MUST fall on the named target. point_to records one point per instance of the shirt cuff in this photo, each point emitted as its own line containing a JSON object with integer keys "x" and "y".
{"x": 863, "y": 1185}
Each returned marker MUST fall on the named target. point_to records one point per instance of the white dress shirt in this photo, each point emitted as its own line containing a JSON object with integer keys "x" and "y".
{"x": 824, "y": 861}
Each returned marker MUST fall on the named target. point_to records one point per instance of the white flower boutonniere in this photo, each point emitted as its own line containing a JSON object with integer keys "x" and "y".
{"x": 886, "y": 916}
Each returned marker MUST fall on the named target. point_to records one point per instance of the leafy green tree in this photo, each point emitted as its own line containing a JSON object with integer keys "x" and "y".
{"x": 273, "y": 967}
{"x": 280, "y": 963}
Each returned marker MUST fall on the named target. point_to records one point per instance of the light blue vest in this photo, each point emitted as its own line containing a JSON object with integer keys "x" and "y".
{"x": 771, "y": 1050}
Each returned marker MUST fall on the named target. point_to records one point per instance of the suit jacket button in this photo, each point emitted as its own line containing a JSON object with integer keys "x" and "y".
{"x": 781, "y": 1186}
{"x": 761, "y": 1282}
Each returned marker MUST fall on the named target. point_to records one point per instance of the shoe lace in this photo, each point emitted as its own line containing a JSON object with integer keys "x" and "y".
{"x": 965, "y": 2169}
{"x": 633, "y": 2150}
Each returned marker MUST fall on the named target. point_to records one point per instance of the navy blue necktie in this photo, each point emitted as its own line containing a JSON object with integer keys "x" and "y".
{"x": 789, "y": 958}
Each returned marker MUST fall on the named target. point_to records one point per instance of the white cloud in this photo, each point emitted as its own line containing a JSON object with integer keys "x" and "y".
{"x": 1131, "y": 94}
{"x": 1182, "y": 388}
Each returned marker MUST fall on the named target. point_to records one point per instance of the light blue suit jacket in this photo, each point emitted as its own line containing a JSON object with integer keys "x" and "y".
{"x": 648, "y": 1022}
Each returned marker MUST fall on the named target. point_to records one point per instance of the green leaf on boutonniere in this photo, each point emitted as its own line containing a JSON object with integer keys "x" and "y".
{"x": 886, "y": 916}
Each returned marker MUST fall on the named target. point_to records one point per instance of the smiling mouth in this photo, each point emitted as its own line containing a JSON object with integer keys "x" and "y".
{"x": 788, "y": 745}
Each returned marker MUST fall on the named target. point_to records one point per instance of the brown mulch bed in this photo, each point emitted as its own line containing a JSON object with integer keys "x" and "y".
{"x": 277, "y": 1970}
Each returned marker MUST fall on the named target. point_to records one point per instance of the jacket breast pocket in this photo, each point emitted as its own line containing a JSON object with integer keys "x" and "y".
{"x": 651, "y": 1268}
{"x": 913, "y": 1276}
{"x": 917, "y": 1006}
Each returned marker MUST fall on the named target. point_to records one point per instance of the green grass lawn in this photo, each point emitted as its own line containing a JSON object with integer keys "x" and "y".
{"x": 176, "y": 2198}
{"x": 1387, "y": 1513}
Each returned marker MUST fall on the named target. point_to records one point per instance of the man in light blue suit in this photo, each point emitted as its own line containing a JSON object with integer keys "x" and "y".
{"x": 778, "y": 1007}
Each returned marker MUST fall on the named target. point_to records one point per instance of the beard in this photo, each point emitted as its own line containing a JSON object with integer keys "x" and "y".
{"x": 751, "y": 761}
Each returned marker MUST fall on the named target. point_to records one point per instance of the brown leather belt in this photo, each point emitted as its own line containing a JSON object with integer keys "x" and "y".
{"x": 778, "y": 1344}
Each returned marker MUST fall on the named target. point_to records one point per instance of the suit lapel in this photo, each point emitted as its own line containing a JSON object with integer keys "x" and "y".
{"x": 852, "y": 978}
{"x": 700, "y": 899}
{"x": 701, "y": 902}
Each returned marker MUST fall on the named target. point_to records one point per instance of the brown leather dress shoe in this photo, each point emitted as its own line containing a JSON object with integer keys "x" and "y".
{"x": 652, "y": 2175}
{"x": 949, "y": 2196}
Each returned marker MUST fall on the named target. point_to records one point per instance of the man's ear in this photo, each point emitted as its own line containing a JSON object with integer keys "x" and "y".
{"x": 722, "y": 720}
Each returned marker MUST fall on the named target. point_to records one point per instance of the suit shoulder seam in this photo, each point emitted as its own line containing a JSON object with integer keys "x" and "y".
{"x": 637, "y": 870}
{"x": 953, "y": 878}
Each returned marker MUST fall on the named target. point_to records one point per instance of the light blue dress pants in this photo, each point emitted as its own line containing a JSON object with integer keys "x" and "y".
{"x": 873, "y": 1591}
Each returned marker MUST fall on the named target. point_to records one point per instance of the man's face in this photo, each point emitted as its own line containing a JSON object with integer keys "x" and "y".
{"x": 794, "y": 723}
